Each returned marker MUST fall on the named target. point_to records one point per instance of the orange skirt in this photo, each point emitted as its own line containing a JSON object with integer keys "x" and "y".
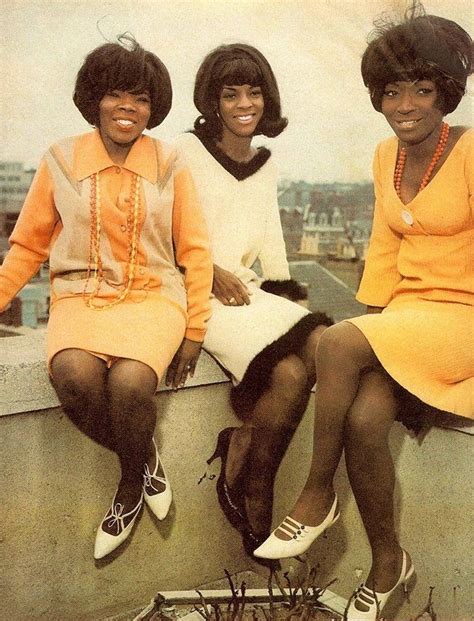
{"x": 146, "y": 327}
{"x": 428, "y": 348}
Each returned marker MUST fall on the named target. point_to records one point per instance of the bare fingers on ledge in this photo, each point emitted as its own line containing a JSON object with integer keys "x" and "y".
{"x": 183, "y": 363}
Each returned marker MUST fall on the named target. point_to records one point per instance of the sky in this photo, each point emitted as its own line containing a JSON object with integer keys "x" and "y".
{"x": 314, "y": 47}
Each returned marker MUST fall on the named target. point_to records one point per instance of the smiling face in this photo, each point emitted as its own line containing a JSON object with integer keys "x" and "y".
{"x": 240, "y": 109}
{"x": 411, "y": 109}
{"x": 123, "y": 118}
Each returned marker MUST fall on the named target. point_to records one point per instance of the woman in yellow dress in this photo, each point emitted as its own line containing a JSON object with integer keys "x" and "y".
{"x": 417, "y": 338}
{"x": 117, "y": 215}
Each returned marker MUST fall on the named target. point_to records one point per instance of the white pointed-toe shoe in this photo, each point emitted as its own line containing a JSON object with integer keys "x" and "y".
{"x": 302, "y": 536}
{"x": 158, "y": 499}
{"x": 367, "y": 604}
{"x": 115, "y": 519}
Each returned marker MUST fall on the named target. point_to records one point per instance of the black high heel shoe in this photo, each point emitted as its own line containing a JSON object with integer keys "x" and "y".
{"x": 231, "y": 499}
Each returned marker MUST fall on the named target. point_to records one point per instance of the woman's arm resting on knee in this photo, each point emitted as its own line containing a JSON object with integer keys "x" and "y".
{"x": 229, "y": 289}
{"x": 184, "y": 362}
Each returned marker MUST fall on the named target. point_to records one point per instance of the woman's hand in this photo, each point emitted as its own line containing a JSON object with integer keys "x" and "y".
{"x": 184, "y": 362}
{"x": 229, "y": 289}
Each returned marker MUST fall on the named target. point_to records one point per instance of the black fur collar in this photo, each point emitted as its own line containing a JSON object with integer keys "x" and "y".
{"x": 239, "y": 170}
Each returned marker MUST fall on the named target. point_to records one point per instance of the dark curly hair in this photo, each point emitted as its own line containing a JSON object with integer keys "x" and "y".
{"x": 123, "y": 66}
{"x": 236, "y": 64}
{"x": 421, "y": 47}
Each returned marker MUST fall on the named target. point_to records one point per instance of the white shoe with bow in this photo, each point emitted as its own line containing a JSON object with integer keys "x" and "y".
{"x": 118, "y": 521}
{"x": 157, "y": 489}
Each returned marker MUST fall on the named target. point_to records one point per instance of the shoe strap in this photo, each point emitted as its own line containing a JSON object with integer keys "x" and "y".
{"x": 366, "y": 596}
{"x": 116, "y": 516}
{"x": 292, "y": 528}
{"x": 148, "y": 478}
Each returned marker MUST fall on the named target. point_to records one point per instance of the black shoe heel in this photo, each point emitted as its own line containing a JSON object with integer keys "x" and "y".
{"x": 231, "y": 499}
{"x": 222, "y": 446}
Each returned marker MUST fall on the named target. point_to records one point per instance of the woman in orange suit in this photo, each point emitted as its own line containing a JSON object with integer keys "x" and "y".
{"x": 116, "y": 213}
{"x": 416, "y": 342}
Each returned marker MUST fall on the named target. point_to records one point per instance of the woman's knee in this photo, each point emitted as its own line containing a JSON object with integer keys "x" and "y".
{"x": 373, "y": 411}
{"x": 130, "y": 390}
{"x": 78, "y": 377}
{"x": 290, "y": 378}
{"x": 343, "y": 345}
{"x": 308, "y": 351}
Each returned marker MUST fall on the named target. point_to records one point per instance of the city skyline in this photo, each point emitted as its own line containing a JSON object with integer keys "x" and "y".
{"x": 314, "y": 47}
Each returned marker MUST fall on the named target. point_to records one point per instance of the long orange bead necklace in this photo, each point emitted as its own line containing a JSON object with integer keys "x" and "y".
{"x": 95, "y": 268}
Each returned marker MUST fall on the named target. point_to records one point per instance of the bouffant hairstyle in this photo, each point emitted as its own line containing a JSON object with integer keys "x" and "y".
{"x": 124, "y": 66}
{"x": 421, "y": 47}
{"x": 236, "y": 64}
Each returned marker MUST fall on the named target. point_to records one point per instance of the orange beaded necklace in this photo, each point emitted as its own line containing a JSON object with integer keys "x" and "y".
{"x": 94, "y": 266}
{"x": 402, "y": 158}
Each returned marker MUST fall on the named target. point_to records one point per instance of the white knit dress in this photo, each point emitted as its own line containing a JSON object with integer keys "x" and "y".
{"x": 239, "y": 202}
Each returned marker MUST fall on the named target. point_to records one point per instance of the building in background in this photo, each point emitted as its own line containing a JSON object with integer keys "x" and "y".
{"x": 326, "y": 220}
{"x": 31, "y": 306}
{"x": 14, "y": 185}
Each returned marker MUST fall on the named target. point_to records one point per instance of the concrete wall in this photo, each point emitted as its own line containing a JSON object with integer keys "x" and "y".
{"x": 55, "y": 486}
{"x": 434, "y": 509}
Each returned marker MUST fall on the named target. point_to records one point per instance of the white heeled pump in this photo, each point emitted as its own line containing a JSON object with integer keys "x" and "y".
{"x": 105, "y": 543}
{"x": 158, "y": 501}
{"x": 371, "y": 602}
{"x": 301, "y": 536}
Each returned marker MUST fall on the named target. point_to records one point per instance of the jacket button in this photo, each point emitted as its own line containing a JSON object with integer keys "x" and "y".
{"x": 407, "y": 217}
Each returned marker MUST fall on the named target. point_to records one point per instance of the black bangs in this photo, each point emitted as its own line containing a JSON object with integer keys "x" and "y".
{"x": 238, "y": 71}
{"x": 126, "y": 72}
{"x": 418, "y": 70}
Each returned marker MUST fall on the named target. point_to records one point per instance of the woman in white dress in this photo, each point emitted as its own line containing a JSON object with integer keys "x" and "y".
{"x": 265, "y": 342}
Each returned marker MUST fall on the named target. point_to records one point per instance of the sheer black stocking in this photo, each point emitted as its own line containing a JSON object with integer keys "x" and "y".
{"x": 79, "y": 379}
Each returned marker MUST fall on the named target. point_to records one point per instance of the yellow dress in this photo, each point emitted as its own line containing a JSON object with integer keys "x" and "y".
{"x": 420, "y": 268}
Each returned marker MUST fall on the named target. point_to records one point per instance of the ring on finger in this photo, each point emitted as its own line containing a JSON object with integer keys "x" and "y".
{"x": 231, "y": 300}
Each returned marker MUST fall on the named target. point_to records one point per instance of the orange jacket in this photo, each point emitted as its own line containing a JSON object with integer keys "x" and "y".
{"x": 173, "y": 252}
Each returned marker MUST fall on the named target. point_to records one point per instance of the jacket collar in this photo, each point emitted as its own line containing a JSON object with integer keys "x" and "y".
{"x": 90, "y": 157}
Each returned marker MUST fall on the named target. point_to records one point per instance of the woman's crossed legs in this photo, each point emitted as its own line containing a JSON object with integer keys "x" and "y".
{"x": 354, "y": 410}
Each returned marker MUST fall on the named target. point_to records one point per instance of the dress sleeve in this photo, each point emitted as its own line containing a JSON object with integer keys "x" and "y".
{"x": 272, "y": 256}
{"x": 381, "y": 275}
{"x": 31, "y": 238}
{"x": 192, "y": 252}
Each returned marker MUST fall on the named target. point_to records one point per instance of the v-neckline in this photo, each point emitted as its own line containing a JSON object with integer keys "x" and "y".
{"x": 433, "y": 177}
{"x": 239, "y": 170}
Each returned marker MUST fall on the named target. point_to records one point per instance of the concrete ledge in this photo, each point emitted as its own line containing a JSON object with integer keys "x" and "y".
{"x": 24, "y": 381}
{"x": 55, "y": 486}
